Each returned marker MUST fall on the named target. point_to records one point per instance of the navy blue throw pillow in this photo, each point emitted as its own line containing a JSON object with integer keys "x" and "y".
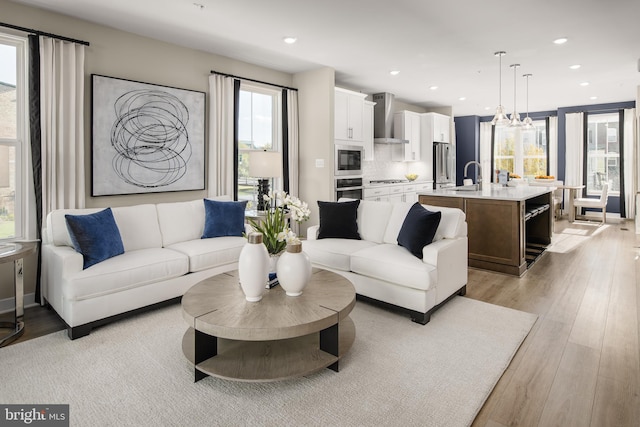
{"x": 418, "y": 229}
{"x": 223, "y": 218}
{"x": 338, "y": 220}
{"x": 95, "y": 236}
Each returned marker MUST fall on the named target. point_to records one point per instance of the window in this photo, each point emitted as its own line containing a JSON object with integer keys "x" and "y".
{"x": 13, "y": 134}
{"x": 259, "y": 128}
{"x": 603, "y": 153}
{"x": 522, "y": 151}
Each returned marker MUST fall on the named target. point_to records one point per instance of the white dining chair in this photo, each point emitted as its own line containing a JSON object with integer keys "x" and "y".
{"x": 599, "y": 203}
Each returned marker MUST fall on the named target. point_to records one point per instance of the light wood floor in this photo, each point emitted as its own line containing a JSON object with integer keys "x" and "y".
{"x": 580, "y": 365}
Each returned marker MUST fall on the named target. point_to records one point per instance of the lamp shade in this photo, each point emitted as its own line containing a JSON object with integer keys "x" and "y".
{"x": 265, "y": 164}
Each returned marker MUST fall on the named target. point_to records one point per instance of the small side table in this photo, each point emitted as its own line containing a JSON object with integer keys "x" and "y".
{"x": 16, "y": 252}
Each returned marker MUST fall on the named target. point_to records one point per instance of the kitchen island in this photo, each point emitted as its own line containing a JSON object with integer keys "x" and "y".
{"x": 508, "y": 227}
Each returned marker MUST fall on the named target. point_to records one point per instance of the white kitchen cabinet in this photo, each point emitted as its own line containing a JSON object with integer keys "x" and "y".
{"x": 349, "y": 114}
{"x": 406, "y": 125}
{"x": 409, "y": 193}
{"x": 367, "y": 130}
{"x": 393, "y": 193}
{"x": 436, "y": 127}
{"x": 377, "y": 194}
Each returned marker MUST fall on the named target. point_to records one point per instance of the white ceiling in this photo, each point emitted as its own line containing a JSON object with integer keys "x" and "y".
{"x": 445, "y": 43}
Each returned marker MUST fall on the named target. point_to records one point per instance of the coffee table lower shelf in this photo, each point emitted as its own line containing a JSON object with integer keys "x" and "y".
{"x": 262, "y": 361}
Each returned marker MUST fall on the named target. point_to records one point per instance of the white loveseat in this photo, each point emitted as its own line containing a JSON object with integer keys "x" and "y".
{"x": 387, "y": 273}
{"x": 164, "y": 256}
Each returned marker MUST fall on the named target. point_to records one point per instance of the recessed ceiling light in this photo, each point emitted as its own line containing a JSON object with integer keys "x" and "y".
{"x": 462, "y": 98}
{"x": 394, "y": 72}
{"x": 584, "y": 84}
{"x": 575, "y": 66}
{"x": 561, "y": 40}
{"x": 290, "y": 40}
{"x": 593, "y": 98}
{"x": 433, "y": 87}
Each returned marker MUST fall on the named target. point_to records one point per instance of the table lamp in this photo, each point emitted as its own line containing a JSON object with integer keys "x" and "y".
{"x": 264, "y": 165}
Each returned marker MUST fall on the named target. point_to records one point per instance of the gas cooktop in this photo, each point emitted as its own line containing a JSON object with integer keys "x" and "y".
{"x": 387, "y": 181}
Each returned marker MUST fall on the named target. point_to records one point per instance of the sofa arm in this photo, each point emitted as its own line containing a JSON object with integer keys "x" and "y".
{"x": 312, "y": 232}
{"x": 450, "y": 258}
{"x": 59, "y": 262}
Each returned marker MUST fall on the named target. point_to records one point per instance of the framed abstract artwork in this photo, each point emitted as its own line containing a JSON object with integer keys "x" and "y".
{"x": 146, "y": 138}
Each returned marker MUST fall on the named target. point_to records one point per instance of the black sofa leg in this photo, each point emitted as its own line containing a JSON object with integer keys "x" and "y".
{"x": 78, "y": 331}
{"x": 421, "y": 318}
{"x": 463, "y": 291}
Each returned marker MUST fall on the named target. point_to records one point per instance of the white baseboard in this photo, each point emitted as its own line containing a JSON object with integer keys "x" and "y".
{"x": 8, "y": 304}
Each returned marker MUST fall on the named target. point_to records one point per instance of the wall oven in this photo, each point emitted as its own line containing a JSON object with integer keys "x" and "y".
{"x": 348, "y": 160}
{"x": 350, "y": 188}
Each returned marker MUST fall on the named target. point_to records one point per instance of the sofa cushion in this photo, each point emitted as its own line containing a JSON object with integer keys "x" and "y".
{"x": 453, "y": 223}
{"x": 418, "y": 229}
{"x": 334, "y": 253}
{"x": 392, "y": 263}
{"x": 126, "y": 271}
{"x": 209, "y": 253}
{"x": 95, "y": 236}
{"x": 372, "y": 219}
{"x": 138, "y": 226}
{"x": 181, "y": 221}
{"x": 338, "y": 220}
{"x": 223, "y": 218}
{"x": 396, "y": 219}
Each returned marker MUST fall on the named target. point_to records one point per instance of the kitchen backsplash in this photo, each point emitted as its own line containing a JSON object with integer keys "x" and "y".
{"x": 384, "y": 168}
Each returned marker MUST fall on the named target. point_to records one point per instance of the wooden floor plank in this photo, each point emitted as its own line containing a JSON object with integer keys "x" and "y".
{"x": 570, "y": 399}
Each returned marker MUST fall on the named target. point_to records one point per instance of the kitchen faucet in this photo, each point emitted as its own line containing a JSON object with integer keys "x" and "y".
{"x": 479, "y": 172}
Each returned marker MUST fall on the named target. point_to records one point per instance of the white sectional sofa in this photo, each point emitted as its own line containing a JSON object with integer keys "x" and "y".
{"x": 164, "y": 256}
{"x": 387, "y": 273}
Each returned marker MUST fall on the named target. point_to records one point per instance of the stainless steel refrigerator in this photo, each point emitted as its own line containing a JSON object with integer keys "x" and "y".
{"x": 444, "y": 171}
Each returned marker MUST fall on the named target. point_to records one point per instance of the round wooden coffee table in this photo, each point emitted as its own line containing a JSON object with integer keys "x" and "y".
{"x": 277, "y": 338}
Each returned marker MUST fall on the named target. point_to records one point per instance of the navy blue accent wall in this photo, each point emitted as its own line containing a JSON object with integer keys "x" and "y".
{"x": 467, "y": 143}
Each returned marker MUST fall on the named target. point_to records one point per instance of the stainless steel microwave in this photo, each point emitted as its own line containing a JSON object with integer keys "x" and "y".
{"x": 348, "y": 160}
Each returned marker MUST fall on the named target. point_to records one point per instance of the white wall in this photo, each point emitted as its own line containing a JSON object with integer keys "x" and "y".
{"x": 316, "y": 106}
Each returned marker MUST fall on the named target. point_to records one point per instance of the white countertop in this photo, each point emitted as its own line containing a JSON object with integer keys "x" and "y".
{"x": 494, "y": 192}
{"x": 407, "y": 182}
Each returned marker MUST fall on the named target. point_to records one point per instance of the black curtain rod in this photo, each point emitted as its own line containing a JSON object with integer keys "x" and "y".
{"x": 252, "y": 80}
{"x": 42, "y": 33}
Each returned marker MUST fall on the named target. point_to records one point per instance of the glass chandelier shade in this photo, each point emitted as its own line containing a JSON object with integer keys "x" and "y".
{"x": 500, "y": 119}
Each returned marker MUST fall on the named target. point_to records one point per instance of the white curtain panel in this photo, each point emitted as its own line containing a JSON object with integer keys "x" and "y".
{"x": 485, "y": 151}
{"x": 630, "y": 171}
{"x": 62, "y": 112}
{"x": 553, "y": 146}
{"x": 574, "y": 137}
{"x": 294, "y": 144}
{"x": 220, "y": 178}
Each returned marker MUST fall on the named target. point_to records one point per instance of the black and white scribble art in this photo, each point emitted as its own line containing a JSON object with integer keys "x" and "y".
{"x": 146, "y": 138}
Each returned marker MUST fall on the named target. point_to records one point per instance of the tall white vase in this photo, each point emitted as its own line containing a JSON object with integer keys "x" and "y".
{"x": 294, "y": 270}
{"x": 253, "y": 267}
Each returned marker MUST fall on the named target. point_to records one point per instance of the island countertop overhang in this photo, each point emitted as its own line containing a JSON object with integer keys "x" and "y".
{"x": 493, "y": 192}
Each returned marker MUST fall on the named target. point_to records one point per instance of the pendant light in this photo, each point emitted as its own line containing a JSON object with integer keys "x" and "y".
{"x": 515, "y": 117}
{"x": 527, "y": 123}
{"x": 501, "y": 116}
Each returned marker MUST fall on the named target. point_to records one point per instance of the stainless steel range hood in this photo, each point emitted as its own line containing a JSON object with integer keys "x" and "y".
{"x": 383, "y": 119}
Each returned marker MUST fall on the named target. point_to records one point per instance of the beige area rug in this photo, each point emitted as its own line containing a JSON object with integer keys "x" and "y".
{"x": 133, "y": 373}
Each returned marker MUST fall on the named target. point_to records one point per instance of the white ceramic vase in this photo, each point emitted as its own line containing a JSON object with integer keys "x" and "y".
{"x": 294, "y": 270}
{"x": 253, "y": 267}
